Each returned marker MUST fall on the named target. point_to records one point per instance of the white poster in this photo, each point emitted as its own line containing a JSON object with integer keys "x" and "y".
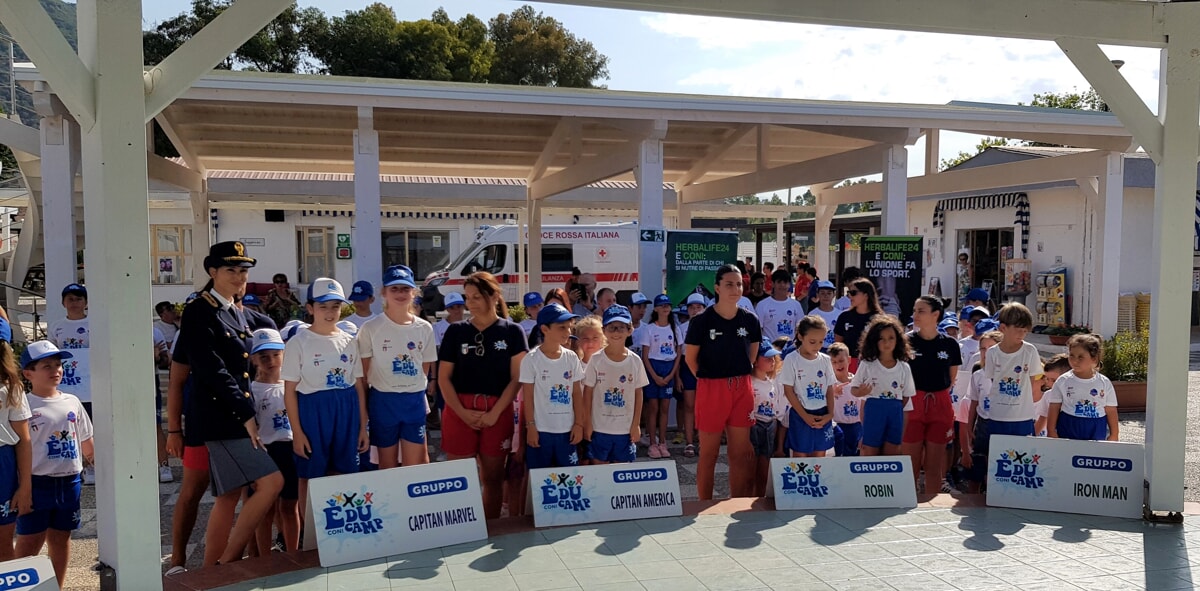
{"x": 28, "y": 574}
{"x": 77, "y": 375}
{"x": 843, "y": 483}
{"x": 1089, "y": 477}
{"x": 609, "y": 492}
{"x": 387, "y": 512}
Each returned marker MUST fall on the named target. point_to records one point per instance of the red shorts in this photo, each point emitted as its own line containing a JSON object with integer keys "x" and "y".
{"x": 932, "y": 418}
{"x": 460, "y": 440}
{"x": 195, "y": 457}
{"x": 724, "y": 402}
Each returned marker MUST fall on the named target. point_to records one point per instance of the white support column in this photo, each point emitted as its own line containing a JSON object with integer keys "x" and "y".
{"x": 367, "y": 226}
{"x": 201, "y": 234}
{"x": 780, "y": 256}
{"x": 895, "y": 191}
{"x": 1174, "y": 212}
{"x": 534, "y": 230}
{"x": 649, "y": 175}
{"x": 60, "y": 140}
{"x": 1109, "y": 211}
{"x": 115, "y": 190}
{"x": 933, "y": 146}
{"x": 821, "y": 226}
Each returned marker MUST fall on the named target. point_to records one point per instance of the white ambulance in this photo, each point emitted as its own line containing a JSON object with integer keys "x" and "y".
{"x": 607, "y": 251}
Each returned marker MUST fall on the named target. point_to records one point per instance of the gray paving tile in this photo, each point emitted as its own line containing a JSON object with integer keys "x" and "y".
{"x": 416, "y": 559}
{"x": 888, "y": 567}
{"x": 544, "y": 581}
{"x": 937, "y": 563}
{"x": 1156, "y": 580}
{"x": 699, "y": 549}
{"x": 1067, "y": 570}
{"x": 918, "y": 582}
{"x": 863, "y": 585}
{"x": 599, "y": 557}
{"x": 703, "y": 567}
{"x": 648, "y": 571}
{"x": 791, "y": 578}
{"x": 359, "y": 582}
{"x": 688, "y": 583}
{"x": 970, "y": 579}
{"x": 591, "y": 577}
{"x": 835, "y": 573}
{"x": 731, "y": 581}
{"x": 909, "y": 548}
{"x": 536, "y": 563}
{"x": 762, "y": 558}
{"x": 1106, "y": 583}
{"x": 492, "y": 583}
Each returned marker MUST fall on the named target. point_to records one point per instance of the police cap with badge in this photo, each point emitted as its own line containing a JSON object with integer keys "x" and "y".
{"x": 228, "y": 254}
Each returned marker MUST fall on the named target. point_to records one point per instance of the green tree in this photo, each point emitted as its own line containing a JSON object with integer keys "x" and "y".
{"x": 278, "y": 47}
{"x": 536, "y": 50}
{"x": 984, "y": 144}
{"x": 1088, "y": 100}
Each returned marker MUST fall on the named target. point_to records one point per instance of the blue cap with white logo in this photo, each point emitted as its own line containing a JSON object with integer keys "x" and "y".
{"x": 765, "y": 349}
{"x": 947, "y": 324}
{"x": 38, "y": 350}
{"x": 965, "y": 313}
{"x": 662, "y": 299}
{"x": 361, "y": 291}
{"x": 977, "y": 294}
{"x": 553, "y": 314}
{"x": 454, "y": 299}
{"x": 251, "y": 300}
{"x": 267, "y": 339}
{"x": 532, "y": 299}
{"x": 638, "y": 298}
{"x": 75, "y": 289}
{"x": 398, "y": 275}
{"x": 823, "y": 284}
{"x": 324, "y": 289}
{"x": 986, "y": 325}
{"x": 617, "y": 313}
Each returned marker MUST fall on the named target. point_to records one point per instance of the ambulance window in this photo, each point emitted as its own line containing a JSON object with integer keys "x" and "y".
{"x": 557, "y": 259}
{"x": 490, "y": 259}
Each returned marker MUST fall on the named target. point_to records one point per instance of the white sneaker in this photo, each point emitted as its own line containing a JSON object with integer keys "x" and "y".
{"x": 164, "y": 474}
{"x": 89, "y": 475}
{"x": 176, "y": 570}
{"x": 645, "y": 441}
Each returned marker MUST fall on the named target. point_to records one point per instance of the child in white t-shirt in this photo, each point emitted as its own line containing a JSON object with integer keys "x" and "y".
{"x": 275, "y": 431}
{"x": 885, "y": 380}
{"x": 847, "y": 408}
{"x": 16, "y": 457}
{"x": 612, "y": 391}
{"x": 551, "y": 394}
{"x": 1053, "y": 367}
{"x": 769, "y": 404}
{"x": 973, "y": 429}
{"x": 1015, "y": 369}
{"x": 1083, "y": 404}
{"x": 808, "y": 380}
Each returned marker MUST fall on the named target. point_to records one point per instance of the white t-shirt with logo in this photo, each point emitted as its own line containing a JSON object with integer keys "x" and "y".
{"x": 614, "y": 387}
{"x": 980, "y": 392}
{"x": 778, "y": 319}
{"x": 57, "y": 427}
{"x": 767, "y": 395}
{"x": 319, "y": 362}
{"x": 847, "y": 408}
{"x": 662, "y": 341}
{"x": 830, "y": 318}
{"x": 8, "y": 414}
{"x": 1011, "y": 393}
{"x": 1082, "y": 398}
{"x": 553, "y": 384}
{"x": 273, "y": 422}
{"x": 810, "y": 379}
{"x": 397, "y": 353}
{"x": 889, "y": 384}
{"x": 74, "y": 336}
{"x": 359, "y": 321}
{"x": 69, "y": 334}
{"x": 967, "y": 347}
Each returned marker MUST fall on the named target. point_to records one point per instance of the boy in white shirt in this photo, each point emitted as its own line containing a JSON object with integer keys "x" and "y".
{"x": 1015, "y": 369}
{"x": 533, "y": 304}
{"x": 73, "y": 334}
{"x": 362, "y": 295}
{"x": 779, "y": 313}
{"x": 61, "y": 436}
{"x": 552, "y": 396}
{"x": 612, "y": 390}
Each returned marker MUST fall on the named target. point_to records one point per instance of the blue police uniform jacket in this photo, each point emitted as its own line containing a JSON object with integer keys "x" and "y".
{"x": 216, "y": 343}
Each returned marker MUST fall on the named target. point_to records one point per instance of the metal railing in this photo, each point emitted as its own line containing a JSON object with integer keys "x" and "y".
{"x": 12, "y": 308}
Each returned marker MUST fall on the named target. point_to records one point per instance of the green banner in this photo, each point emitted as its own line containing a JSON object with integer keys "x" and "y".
{"x": 692, "y": 260}
{"x": 893, "y": 264}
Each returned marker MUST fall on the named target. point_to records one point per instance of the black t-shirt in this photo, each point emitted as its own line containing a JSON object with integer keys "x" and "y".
{"x": 850, "y": 326}
{"x": 756, "y": 299}
{"x": 724, "y": 344}
{"x": 489, "y": 373}
{"x": 932, "y": 360}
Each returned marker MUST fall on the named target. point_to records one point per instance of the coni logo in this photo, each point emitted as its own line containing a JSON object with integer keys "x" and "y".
{"x": 803, "y": 479}
{"x": 1020, "y": 469}
{"x": 351, "y": 513}
{"x": 564, "y": 491}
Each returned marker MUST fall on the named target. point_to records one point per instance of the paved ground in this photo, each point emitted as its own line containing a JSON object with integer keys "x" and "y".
{"x": 925, "y": 549}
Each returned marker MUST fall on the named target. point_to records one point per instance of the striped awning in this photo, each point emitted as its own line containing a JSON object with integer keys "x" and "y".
{"x": 996, "y": 201}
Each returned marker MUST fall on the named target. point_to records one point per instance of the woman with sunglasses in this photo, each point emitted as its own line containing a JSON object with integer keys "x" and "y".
{"x": 864, "y": 305}
{"x": 282, "y": 303}
{"x": 478, "y": 371}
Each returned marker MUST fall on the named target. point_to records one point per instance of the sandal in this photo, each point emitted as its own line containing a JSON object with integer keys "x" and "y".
{"x": 689, "y": 451}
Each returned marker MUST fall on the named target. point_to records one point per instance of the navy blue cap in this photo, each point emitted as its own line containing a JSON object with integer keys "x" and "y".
{"x": 977, "y": 294}
{"x": 617, "y": 313}
{"x": 251, "y": 300}
{"x": 965, "y": 313}
{"x": 823, "y": 284}
{"x": 398, "y": 275}
{"x": 532, "y": 299}
{"x": 75, "y": 288}
{"x": 554, "y": 314}
{"x": 947, "y": 323}
{"x": 361, "y": 291}
{"x": 228, "y": 254}
{"x": 662, "y": 299}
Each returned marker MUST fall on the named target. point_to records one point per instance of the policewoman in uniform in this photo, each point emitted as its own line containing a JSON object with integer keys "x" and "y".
{"x": 216, "y": 340}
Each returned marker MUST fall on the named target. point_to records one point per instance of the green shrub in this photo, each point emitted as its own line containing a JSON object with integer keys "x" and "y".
{"x": 1127, "y": 356}
{"x": 516, "y": 312}
{"x": 1068, "y": 330}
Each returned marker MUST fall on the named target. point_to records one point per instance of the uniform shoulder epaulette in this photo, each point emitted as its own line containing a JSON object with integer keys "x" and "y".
{"x": 211, "y": 300}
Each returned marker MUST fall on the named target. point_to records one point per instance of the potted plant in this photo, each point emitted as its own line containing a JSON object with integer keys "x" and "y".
{"x": 1059, "y": 335}
{"x": 1126, "y": 362}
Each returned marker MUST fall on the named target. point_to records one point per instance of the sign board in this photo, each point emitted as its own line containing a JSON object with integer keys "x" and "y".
{"x": 344, "y": 252}
{"x": 254, "y": 241}
{"x": 1088, "y": 477}
{"x": 609, "y": 492}
{"x": 692, "y": 261}
{"x": 649, "y": 235}
{"x": 343, "y": 240}
{"x": 843, "y": 483}
{"x": 893, "y": 264}
{"x": 28, "y": 574}
{"x": 386, "y": 512}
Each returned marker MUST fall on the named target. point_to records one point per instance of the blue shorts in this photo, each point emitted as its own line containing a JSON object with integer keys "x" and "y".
{"x": 55, "y": 505}
{"x": 554, "y": 450}
{"x": 846, "y": 437}
{"x": 8, "y": 484}
{"x": 804, "y": 439}
{"x": 883, "y": 421}
{"x": 1018, "y": 428}
{"x": 1081, "y": 428}
{"x": 393, "y": 416}
{"x": 611, "y": 448}
{"x": 653, "y": 391}
{"x": 331, "y": 422}
{"x": 689, "y": 379}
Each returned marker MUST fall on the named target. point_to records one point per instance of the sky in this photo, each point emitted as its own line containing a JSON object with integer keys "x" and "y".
{"x": 705, "y": 55}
